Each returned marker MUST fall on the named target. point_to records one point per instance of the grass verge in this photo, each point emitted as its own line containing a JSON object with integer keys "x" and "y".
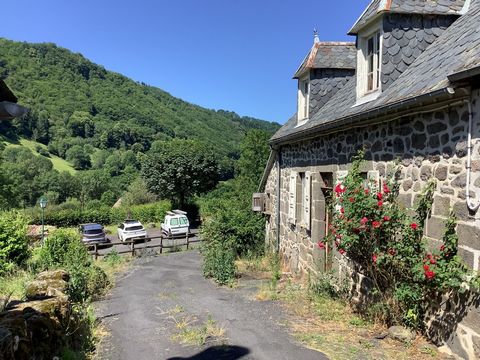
{"x": 321, "y": 320}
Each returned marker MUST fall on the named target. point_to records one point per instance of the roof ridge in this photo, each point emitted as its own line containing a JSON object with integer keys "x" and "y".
{"x": 336, "y": 43}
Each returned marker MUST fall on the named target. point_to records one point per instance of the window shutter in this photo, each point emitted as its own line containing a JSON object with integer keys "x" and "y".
{"x": 307, "y": 200}
{"x": 292, "y": 199}
{"x": 373, "y": 178}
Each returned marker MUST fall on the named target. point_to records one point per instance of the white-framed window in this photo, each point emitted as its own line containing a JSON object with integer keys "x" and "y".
{"x": 369, "y": 64}
{"x": 303, "y": 98}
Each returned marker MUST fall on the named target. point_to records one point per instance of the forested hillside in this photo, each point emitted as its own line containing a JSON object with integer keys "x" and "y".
{"x": 76, "y": 102}
{"x": 83, "y": 117}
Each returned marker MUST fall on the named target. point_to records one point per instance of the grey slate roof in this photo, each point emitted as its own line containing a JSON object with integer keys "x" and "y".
{"x": 438, "y": 7}
{"x": 329, "y": 55}
{"x": 457, "y": 49}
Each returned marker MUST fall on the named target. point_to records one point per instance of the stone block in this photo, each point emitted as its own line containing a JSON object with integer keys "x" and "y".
{"x": 426, "y": 172}
{"x": 435, "y": 227}
{"x": 455, "y": 343}
{"x": 469, "y": 235}
{"x": 460, "y": 181}
{"x": 318, "y": 230}
{"x": 468, "y": 257}
{"x": 405, "y": 200}
{"x": 455, "y": 169}
{"x": 318, "y": 210}
{"x": 441, "y": 172}
{"x": 441, "y": 206}
{"x": 447, "y": 190}
{"x": 476, "y": 346}
{"x": 407, "y": 184}
{"x": 461, "y": 211}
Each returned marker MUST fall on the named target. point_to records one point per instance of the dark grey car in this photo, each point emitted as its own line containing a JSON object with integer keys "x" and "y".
{"x": 93, "y": 233}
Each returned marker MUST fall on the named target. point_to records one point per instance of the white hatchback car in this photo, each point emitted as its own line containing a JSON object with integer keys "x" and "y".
{"x": 131, "y": 229}
{"x": 175, "y": 224}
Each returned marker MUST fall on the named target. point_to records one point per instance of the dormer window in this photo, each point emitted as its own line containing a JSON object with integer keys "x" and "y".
{"x": 369, "y": 62}
{"x": 373, "y": 62}
{"x": 303, "y": 98}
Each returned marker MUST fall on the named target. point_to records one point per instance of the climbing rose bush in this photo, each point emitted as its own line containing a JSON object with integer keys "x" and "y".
{"x": 371, "y": 228}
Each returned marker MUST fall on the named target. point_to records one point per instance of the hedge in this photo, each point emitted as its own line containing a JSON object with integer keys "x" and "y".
{"x": 154, "y": 212}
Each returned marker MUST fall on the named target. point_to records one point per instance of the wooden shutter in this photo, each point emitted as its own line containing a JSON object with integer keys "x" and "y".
{"x": 307, "y": 200}
{"x": 292, "y": 198}
{"x": 373, "y": 178}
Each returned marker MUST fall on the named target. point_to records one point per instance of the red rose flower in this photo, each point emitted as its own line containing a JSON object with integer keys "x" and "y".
{"x": 442, "y": 248}
{"x": 380, "y": 203}
{"x": 374, "y": 258}
{"x": 367, "y": 191}
{"x": 386, "y": 218}
{"x": 339, "y": 189}
{"x": 376, "y": 224}
{"x": 379, "y": 196}
{"x": 433, "y": 261}
{"x": 429, "y": 275}
{"x": 342, "y": 210}
{"x": 341, "y": 251}
{"x": 351, "y": 199}
{"x": 426, "y": 267}
{"x": 414, "y": 226}
{"x": 386, "y": 189}
{"x": 321, "y": 245}
{"x": 363, "y": 221}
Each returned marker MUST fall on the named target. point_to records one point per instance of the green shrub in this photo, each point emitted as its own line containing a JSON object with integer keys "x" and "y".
{"x": 13, "y": 240}
{"x": 97, "y": 282}
{"x": 218, "y": 253}
{"x": 95, "y": 212}
{"x": 55, "y": 248}
{"x": 64, "y": 249}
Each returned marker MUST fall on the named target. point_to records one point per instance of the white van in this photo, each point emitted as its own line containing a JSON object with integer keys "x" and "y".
{"x": 175, "y": 224}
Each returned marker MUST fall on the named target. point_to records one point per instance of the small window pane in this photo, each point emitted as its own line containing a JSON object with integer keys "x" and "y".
{"x": 174, "y": 221}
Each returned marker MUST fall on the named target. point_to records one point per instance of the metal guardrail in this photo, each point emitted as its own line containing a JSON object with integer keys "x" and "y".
{"x": 144, "y": 242}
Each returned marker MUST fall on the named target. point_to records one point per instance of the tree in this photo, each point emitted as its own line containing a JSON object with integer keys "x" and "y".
{"x": 138, "y": 194}
{"x": 180, "y": 169}
{"x": 254, "y": 154}
{"x": 78, "y": 157}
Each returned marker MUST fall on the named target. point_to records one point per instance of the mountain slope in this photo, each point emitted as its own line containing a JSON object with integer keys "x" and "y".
{"x": 74, "y": 101}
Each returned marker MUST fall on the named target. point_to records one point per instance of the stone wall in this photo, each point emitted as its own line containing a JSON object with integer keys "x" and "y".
{"x": 429, "y": 145}
{"x": 324, "y": 83}
{"x": 405, "y": 37}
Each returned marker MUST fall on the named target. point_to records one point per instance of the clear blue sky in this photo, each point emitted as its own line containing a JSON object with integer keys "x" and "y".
{"x": 236, "y": 55}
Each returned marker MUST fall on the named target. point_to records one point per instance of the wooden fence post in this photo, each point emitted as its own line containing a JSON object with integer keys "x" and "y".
{"x": 132, "y": 247}
{"x": 161, "y": 244}
{"x": 188, "y": 240}
{"x": 95, "y": 247}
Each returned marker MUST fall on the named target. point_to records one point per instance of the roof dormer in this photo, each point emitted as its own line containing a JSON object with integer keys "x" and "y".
{"x": 391, "y": 34}
{"x": 325, "y": 70}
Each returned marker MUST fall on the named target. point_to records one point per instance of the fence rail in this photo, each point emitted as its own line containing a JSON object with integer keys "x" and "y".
{"x": 144, "y": 242}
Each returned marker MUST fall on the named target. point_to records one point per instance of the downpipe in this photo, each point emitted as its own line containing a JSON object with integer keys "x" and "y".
{"x": 471, "y": 206}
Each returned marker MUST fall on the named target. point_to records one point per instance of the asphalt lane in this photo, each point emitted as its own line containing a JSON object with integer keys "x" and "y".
{"x": 143, "y": 311}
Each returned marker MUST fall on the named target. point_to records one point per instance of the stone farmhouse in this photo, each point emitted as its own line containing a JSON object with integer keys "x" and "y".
{"x": 408, "y": 88}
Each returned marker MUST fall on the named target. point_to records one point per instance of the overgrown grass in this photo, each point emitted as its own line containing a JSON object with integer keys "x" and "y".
{"x": 190, "y": 333}
{"x": 12, "y": 286}
{"x": 320, "y": 318}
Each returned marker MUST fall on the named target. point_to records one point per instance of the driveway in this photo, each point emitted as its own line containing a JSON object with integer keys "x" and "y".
{"x": 144, "y": 310}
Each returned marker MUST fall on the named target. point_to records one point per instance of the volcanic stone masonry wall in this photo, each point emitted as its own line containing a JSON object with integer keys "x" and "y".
{"x": 430, "y": 145}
